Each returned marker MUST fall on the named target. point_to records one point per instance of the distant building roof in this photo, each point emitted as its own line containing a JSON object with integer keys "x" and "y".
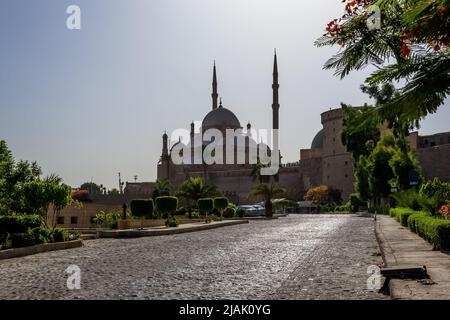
{"x": 317, "y": 142}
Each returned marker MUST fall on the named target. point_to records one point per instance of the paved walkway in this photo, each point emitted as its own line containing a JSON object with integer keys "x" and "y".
{"x": 403, "y": 247}
{"x": 296, "y": 257}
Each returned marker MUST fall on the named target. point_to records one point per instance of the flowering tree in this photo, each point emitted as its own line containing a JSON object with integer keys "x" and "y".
{"x": 412, "y": 45}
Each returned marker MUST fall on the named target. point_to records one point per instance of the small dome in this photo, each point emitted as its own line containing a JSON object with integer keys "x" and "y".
{"x": 221, "y": 118}
{"x": 317, "y": 142}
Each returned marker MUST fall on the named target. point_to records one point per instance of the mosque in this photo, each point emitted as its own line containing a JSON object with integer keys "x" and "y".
{"x": 326, "y": 162}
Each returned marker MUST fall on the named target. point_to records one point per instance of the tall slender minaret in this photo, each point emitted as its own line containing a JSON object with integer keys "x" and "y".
{"x": 214, "y": 94}
{"x": 275, "y": 87}
{"x": 165, "y": 149}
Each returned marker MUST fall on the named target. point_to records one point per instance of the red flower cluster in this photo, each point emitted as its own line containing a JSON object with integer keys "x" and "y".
{"x": 445, "y": 211}
{"x": 352, "y": 7}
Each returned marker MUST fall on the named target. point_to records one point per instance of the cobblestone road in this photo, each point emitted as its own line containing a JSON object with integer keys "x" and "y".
{"x": 296, "y": 257}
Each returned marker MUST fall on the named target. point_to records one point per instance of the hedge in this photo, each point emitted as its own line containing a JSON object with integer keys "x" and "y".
{"x": 166, "y": 204}
{"x": 221, "y": 203}
{"x": 142, "y": 208}
{"x": 402, "y": 215}
{"x": 19, "y": 223}
{"x": 205, "y": 205}
{"x": 434, "y": 230}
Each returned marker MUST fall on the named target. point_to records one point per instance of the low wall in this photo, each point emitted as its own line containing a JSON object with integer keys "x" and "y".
{"x": 20, "y": 252}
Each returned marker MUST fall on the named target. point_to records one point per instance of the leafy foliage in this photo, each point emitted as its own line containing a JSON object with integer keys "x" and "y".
{"x": 324, "y": 195}
{"x": 166, "y": 205}
{"x": 142, "y": 207}
{"x": 412, "y": 45}
{"x": 267, "y": 192}
{"x": 196, "y": 188}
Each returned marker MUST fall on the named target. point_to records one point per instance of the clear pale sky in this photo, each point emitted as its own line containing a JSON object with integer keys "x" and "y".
{"x": 87, "y": 104}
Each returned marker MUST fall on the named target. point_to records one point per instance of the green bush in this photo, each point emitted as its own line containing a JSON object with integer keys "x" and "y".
{"x": 205, "y": 205}
{"x": 355, "y": 202}
{"x": 229, "y": 212}
{"x": 23, "y": 239}
{"x": 407, "y": 199}
{"x": 194, "y": 215}
{"x": 214, "y": 217}
{"x": 437, "y": 188}
{"x": 19, "y": 223}
{"x": 412, "y": 220}
{"x": 61, "y": 235}
{"x": 220, "y": 204}
{"x": 166, "y": 205}
{"x": 434, "y": 230}
{"x": 402, "y": 215}
{"x": 107, "y": 219}
{"x": 142, "y": 208}
{"x": 240, "y": 212}
{"x": 171, "y": 222}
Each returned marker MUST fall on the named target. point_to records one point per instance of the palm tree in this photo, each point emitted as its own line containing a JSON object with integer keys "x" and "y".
{"x": 256, "y": 173}
{"x": 268, "y": 192}
{"x": 196, "y": 188}
{"x": 162, "y": 188}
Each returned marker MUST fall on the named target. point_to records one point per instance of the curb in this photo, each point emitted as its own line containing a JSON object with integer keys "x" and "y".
{"x": 39, "y": 248}
{"x": 388, "y": 259}
{"x": 165, "y": 232}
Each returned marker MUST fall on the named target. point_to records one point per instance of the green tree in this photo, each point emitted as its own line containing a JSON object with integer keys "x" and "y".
{"x": 162, "y": 188}
{"x": 92, "y": 187}
{"x": 268, "y": 192}
{"x": 380, "y": 172}
{"x": 362, "y": 186}
{"x": 196, "y": 188}
{"x": 353, "y": 133}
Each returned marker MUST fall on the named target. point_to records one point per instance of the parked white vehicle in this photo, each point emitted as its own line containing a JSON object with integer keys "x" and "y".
{"x": 250, "y": 211}
{"x": 261, "y": 210}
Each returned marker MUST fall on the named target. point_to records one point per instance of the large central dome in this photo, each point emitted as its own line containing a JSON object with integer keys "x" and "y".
{"x": 221, "y": 118}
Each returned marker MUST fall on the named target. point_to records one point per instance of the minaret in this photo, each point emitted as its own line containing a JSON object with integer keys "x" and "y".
{"x": 214, "y": 94}
{"x": 165, "y": 149}
{"x": 275, "y": 87}
{"x": 192, "y": 141}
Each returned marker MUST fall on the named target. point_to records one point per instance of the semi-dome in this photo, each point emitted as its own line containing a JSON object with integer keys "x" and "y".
{"x": 317, "y": 142}
{"x": 221, "y": 118}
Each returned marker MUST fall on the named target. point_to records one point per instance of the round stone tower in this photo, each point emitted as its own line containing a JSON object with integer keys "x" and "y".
{"x": 337, "y": 164}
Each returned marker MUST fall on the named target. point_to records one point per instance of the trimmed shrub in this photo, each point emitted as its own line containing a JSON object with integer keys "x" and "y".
{"x": 205, "y": 205}
{"x": 142, "y": 208}
{"x": 402, "y": 215}
{"x": 434, "y": 230}
{"x": 166, "y": 205}
{"x": 412, "y": 220}
{"x": 221, "y": 203}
